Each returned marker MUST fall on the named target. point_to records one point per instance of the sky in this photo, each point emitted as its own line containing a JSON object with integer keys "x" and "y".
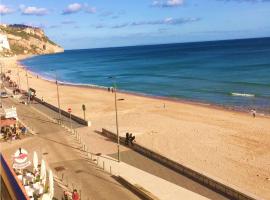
{"x": 81, "y": 24}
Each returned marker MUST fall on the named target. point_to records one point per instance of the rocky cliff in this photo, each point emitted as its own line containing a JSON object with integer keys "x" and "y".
{"x": 27, "y": 40}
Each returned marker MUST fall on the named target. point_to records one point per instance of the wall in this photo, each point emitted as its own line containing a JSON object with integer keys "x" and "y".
{"x": 13, "y": 185}
{"x": 64, "y": 113}
{"x": 4, "y": 44}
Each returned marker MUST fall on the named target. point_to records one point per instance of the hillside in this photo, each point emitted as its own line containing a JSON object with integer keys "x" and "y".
{"x": 21, "y": 39}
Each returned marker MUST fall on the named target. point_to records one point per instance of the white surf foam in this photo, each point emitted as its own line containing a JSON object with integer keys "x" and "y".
{"x": 242, "y": 94}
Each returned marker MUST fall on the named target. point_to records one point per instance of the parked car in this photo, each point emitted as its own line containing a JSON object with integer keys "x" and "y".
{"x": 4, "y": 95}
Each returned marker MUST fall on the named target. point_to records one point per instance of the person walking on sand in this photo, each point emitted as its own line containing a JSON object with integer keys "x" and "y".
{"x": 253, "y": 111}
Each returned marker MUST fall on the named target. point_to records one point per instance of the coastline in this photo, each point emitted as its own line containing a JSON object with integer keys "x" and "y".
{"x": 154, "y": 97}
{"x": 227, "y": 144}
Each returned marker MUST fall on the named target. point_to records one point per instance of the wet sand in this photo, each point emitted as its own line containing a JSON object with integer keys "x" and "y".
{"x": 228, "y": 145}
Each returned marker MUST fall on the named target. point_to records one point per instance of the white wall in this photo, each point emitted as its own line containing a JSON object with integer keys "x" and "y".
{"x": 4, "y": 44}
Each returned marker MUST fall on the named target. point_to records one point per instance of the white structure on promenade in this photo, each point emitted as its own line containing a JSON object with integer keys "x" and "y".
{"x": 4, "y": 44}
{"x": 11, "y": 113}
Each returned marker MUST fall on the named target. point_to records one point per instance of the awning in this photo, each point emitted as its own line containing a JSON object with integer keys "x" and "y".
{"x": 7, "y": 122}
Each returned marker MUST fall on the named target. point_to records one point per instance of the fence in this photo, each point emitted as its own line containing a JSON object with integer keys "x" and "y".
{"x": 213, "y": 184}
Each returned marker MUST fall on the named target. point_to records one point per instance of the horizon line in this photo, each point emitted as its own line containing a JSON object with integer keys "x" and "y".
{"x": 156, "y": 44}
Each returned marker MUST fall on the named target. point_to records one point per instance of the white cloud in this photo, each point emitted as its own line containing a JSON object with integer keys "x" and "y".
{"x": 72, "y": 8}
{"x": 77, "y": 7}
{"x": 4, "y": 10}
{"x": 168, "y": 3}
{"x": 166, "y": 21}
{"x": 32, "y": 10}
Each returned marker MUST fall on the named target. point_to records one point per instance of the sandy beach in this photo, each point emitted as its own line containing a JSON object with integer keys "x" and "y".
{"x": 228, "y": 145}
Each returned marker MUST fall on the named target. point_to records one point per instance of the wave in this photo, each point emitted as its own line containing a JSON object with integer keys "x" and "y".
{"x": 242, "y": 94}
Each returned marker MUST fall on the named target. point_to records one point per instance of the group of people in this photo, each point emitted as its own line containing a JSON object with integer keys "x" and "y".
{"x": 129, "y": 139}
{"x": 110, "y": 89}
{"x": 12, "y": 132}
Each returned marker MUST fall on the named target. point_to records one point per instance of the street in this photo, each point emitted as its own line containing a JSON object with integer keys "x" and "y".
{"x": 65, "y": 157}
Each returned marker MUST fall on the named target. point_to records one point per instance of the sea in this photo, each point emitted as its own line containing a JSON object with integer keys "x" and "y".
{"x": 232, "y": 73}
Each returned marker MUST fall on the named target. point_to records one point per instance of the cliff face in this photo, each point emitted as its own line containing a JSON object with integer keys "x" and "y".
{"x": 27, "y": 40}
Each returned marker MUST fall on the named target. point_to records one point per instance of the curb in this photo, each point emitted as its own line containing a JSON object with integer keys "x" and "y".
{"x": 136, "y": 189}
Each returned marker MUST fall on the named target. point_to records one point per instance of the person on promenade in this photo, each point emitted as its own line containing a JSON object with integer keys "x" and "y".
{"x": 75, "y": 195}
{"x": 65, "y": 196}
{"x": 127, "y": 139}
{"x": 131, "y": 139}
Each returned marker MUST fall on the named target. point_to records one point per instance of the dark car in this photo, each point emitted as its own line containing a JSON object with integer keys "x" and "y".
{"x": 4, "y": 95}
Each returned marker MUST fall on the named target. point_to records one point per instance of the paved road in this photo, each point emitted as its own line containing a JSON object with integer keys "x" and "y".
{"x": 65, "y": 157}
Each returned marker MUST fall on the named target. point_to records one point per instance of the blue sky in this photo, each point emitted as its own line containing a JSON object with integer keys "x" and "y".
{"x": 76, "y": 24}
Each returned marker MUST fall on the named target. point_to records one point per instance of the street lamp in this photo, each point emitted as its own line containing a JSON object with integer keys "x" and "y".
{"x": 19, "y": 80}
{"x": 28, "y": 92}
{"x": 58, "y": 98}
{"x": 116, "y": 120}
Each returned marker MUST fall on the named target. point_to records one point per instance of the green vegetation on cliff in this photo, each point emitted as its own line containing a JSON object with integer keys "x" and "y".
{"x": 28, "y": 40}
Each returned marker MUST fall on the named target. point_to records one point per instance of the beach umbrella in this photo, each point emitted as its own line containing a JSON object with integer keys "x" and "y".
{"x": 20, "y": 159}
{"x": 46, "y": 197}
{"x": 43, "y": 180}
{"x": 43, "y": 172}
{"x": 35, "y": 161}
{"x": 51, "y": 186}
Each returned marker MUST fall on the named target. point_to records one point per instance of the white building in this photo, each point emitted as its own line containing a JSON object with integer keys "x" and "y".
{"x": 4, "y": 44}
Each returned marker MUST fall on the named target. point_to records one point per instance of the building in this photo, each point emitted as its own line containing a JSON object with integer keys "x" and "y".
{"x": 10, "y": 186}
{"x": 4, "y": 44}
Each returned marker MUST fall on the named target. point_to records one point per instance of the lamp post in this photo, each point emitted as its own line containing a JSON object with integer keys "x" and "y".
{"x": 19, "y": 80}
{"x": 116, "y": 120}
{"x": 58, "y": 98}
{"x": 28, "y": 92}
{"x": 69, "y": 111}
{"x": 84, "y": 109}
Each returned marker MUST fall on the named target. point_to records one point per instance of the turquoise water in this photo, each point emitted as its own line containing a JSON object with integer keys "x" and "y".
{"x": 234, "y": 73}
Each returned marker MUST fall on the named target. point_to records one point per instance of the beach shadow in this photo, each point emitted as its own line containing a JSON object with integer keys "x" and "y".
{"x": 84, "y": 170}
{"x": 105, "y": 138}
{"x": 63, "y": 144}
{"x": 38, "y": 119}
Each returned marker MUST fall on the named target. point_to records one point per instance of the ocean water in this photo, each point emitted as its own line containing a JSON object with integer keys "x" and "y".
{"x": 232, "y": 73}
